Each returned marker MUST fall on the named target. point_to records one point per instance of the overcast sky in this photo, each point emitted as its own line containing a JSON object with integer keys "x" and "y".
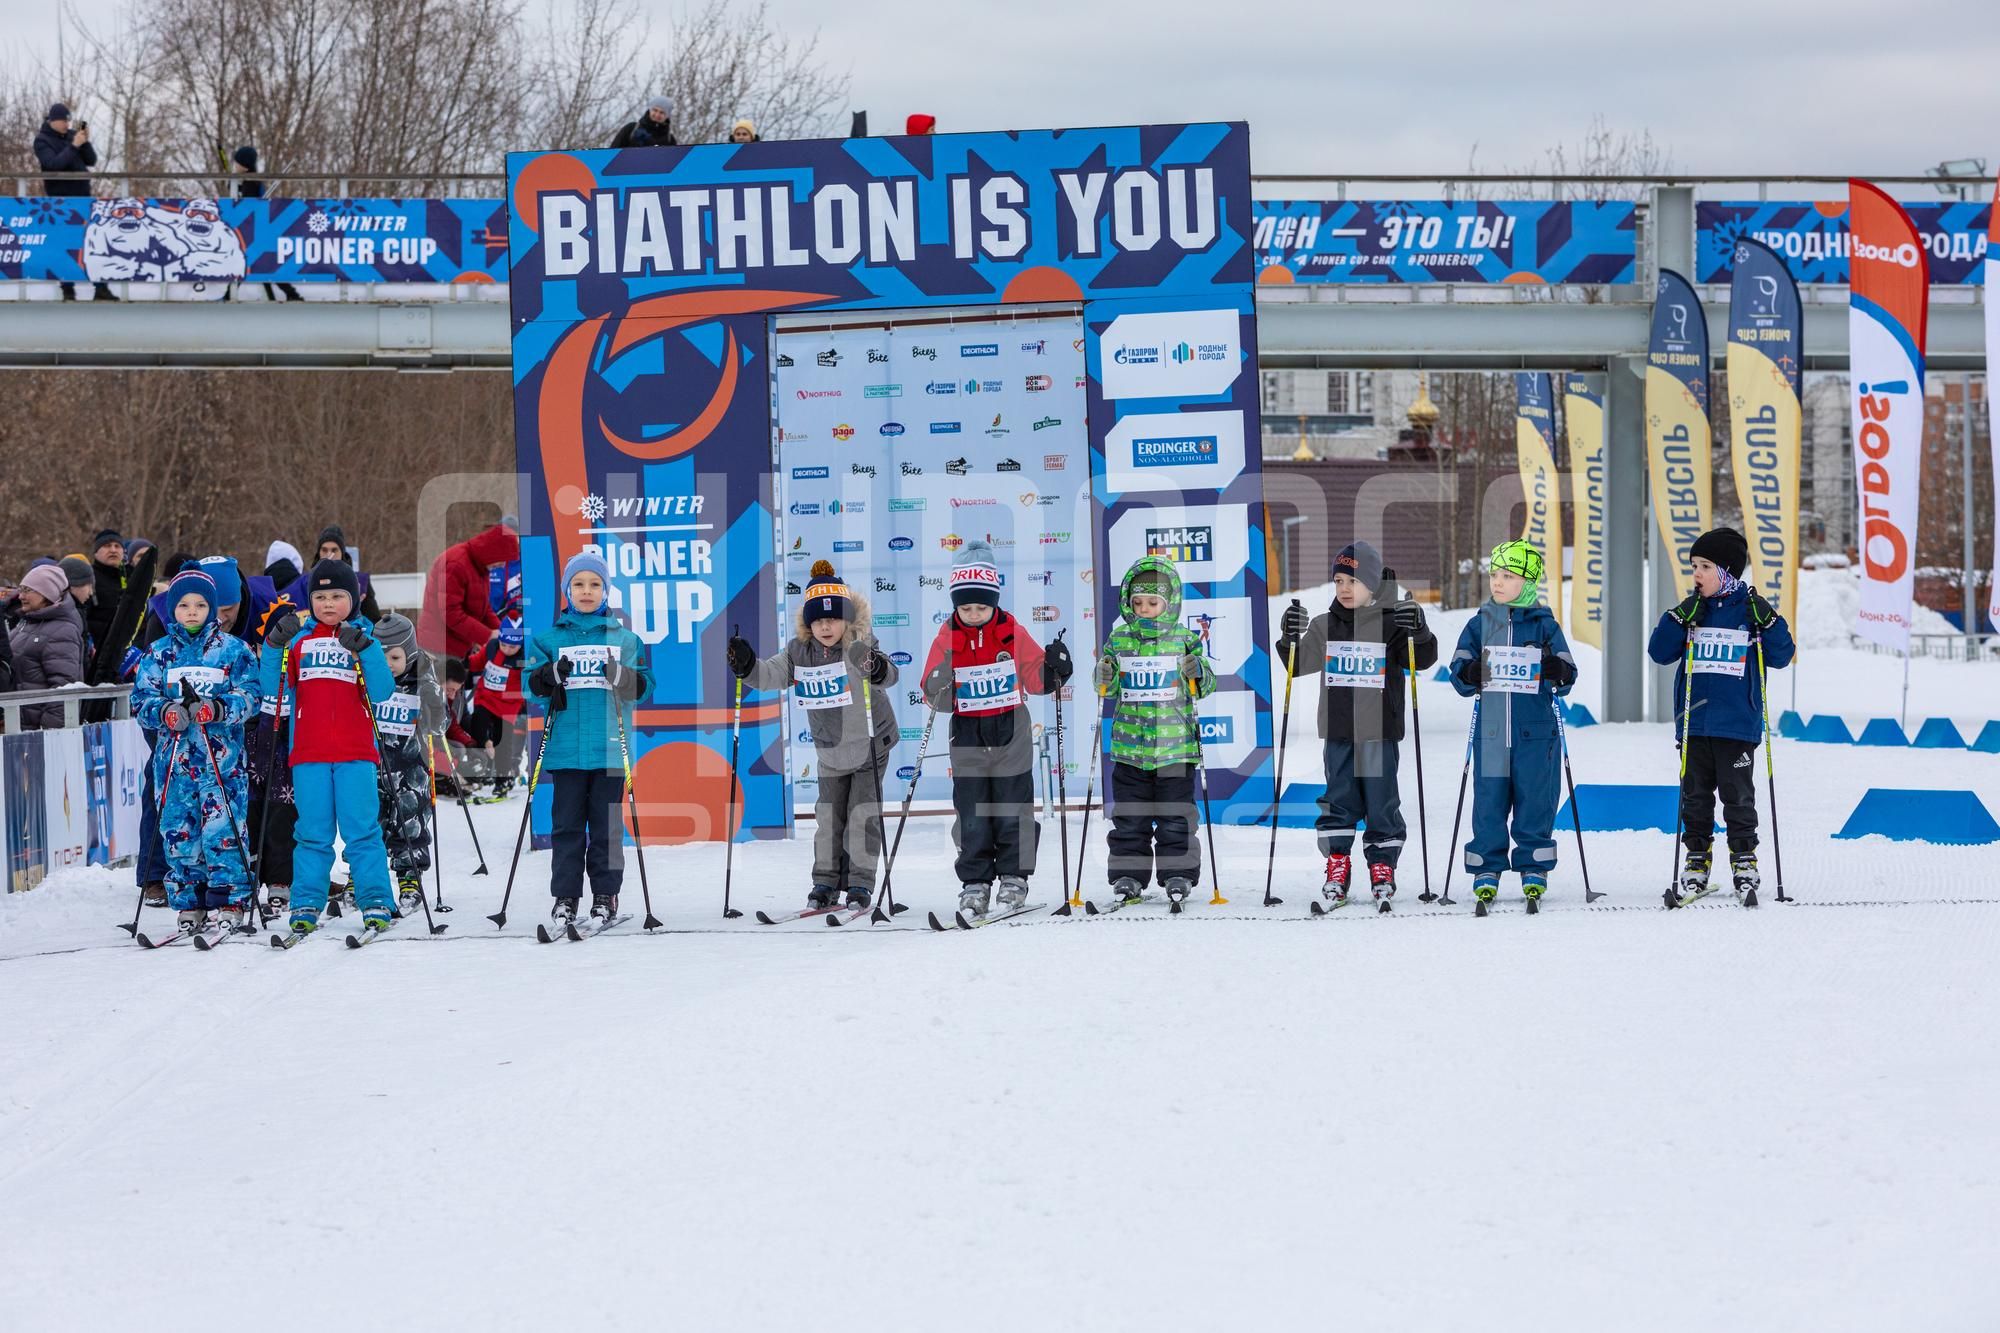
{"x": 1865, "y": 86}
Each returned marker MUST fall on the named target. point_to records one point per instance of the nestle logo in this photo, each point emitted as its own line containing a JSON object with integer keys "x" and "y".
{"x": 890, "y": 428}
{"x": 900, "y": 543}
{"x": 901, "y": 658}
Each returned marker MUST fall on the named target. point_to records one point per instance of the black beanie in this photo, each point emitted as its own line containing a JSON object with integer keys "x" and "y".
{"x": 335, "y": 574}
{"x": 1725, "y": 547}
{"x": 245, "y": 157}
{"x": 331, "y": 533}
{"x": 1361, "y": 561}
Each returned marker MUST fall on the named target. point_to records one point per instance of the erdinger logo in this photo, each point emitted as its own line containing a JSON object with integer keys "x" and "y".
{"x": 1885, "y": 548}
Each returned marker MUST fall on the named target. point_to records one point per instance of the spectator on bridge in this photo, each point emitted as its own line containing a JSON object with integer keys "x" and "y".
{"x": 920, "y": 123}
{"x": 47, "y": 646}
{"x": 652, "y": 128}
{"x": 107, "y": 565}
{"x": 60, "y": 147}
{"x": 743, "y": 131}
{"x": 243, "y": 164}
{"x": 458, "y": 616}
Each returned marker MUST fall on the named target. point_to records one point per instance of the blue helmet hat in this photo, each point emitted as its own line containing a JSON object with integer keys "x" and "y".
{"x": 586, "y": 561}
{"x": 512, "y": 633}
{"x": 228, "y": 579}
{"x": 194, "y": 580}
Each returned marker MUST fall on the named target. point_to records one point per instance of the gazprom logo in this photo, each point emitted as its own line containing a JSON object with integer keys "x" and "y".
{"x": 1137, "y": 356}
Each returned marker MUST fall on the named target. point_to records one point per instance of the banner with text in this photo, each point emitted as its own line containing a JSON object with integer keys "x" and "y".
{"x": 1763, "y": 361}
{"x": 1438, "y": 241}
{"x": 1815, "y": 239}
{"x": 1993, "y": 402}
{"x": 1541, "y": 484}
{"x": 1583, "y": 429}
{"x": 70, "y": 798}
{"x": 1678, "y": 447}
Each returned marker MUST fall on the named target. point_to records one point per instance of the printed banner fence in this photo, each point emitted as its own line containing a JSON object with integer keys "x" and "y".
{"x": 1888, "y": 310}
{"x": 1678, "y": 447}
{"x": 1436, "y": 241}
{"x": 258, "y": 240}
{"x": 645, "y": 284}
{"x": 1993, "y": 406}
{"x": 71, "y": 798}
{"x": 1816, "y": 239}
{"x": 1541, "y": 484}
{"x": 1583, "y": 429}
{"x": 1764, "y": 364}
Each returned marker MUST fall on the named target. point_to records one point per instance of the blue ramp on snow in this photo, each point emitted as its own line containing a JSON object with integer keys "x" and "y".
{"x": 1610, "y": 808}
{"x": 1921, "y": 816}
{"x": 1989, "y": 739}
{"x": 1790, "y": 724}
{"x": 1828, "y": 729}
{"x": 1938, "y": 733}
{"x": 1576, "y": 715}
{"x": 1882, "y": 731}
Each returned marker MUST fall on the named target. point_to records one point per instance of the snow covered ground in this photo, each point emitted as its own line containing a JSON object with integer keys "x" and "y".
{"x": 1605, "y": 1117}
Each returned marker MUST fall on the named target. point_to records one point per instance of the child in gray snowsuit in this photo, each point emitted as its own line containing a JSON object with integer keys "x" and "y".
{"x": 837, "y": 674}
{"x": 406, "y": 722}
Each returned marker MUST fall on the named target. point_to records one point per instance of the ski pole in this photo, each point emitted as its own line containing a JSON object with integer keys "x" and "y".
{"x": 632, "y": 799}
{"x": 1680, "y": 790}
{"x": 1471, "y": 736}
{"x": 729, "y": 813}
{"x": 1575, "y": 810}
{"x": 1062, "y": 794}
{"x": 1201, "y": 773}
{"x": 271, "y": 768}
{"x": 1278, "y": 780}
{"x": 888, "y": 907}
{"x": 499, "y": 918}
{"x": 465, "y": 808}
{"x": 1417, "y": 736}
{"x": 159, "y": 799}
{"x": 1089, "y": 789}
{"x": 190, "y": 700}
{"x": 1770, "y": 770}
{"x": 923, "y": 752}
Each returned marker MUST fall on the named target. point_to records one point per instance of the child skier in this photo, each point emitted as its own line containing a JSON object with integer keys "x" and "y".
{"x": 1726, "y": 634}
{"x": 591, "y": 669}
{"x": 980, "y": 668}
{"x": 272, "y": 815}
{"x": 1360, "y": 649}
{"x": 196, "y": 686}
{"x": 1513, "y": 658}
{"x": 405, "y": 724}
{"x": 333, "y": 672}
{"x": 496, "y": 704}
{"x": 1155, "y": 668}
{"x": 832, "y": 652}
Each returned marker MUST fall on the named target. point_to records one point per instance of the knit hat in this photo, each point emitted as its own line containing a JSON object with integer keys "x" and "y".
{"x": 512, "y": 633}
{"x": 743, "y": 123}
{"x": 48, "y": 580}
{"x": 193, "y": 580}
{"x": 1518, "y": 557}
{"x": 827, "y": 597}
{"x": 395, "y": 631}
{"x": 1359, "y": 560}
{"x": 583, "y": 562}
{"x": 1722, "y": 546}
{"x": 245, "y": 157}
{"x": 136, "y": 545}
{"x": 335, "y": 574}
{"x": 77, "y": 570}
{"x": 331, "y": 533}
{"x": 975, "y": 577}
{"x": 57, "y": 111}
{"x": 662, "y": 104}
{"x": 105, "y": 535}
{"x": 284, "y": 551}
{"x": 228, "y": 579}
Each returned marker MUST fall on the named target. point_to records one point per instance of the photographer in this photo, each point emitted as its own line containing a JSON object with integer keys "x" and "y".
{"x": 59, "y": 148}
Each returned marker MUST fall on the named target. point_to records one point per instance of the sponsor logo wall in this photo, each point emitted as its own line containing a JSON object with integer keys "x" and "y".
{"x": 900, "y": 444}
{"x": 71, "y": 798}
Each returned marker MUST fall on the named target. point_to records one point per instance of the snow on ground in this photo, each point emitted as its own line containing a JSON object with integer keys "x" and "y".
{"x": 1597, "y": 1118}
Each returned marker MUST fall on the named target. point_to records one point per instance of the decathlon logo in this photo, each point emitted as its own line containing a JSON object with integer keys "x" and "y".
{"x": 978, "y": 349}
{"x": 1218, "y": 730}
{"x": 810, "y": 473}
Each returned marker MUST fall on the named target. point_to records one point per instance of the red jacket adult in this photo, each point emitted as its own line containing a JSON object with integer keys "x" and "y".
{"x": 458, "y": 618}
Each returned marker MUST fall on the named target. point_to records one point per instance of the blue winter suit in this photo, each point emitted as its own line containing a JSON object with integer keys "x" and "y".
{"x": 1517, "y": 764}
{"x": 199, "y": 774}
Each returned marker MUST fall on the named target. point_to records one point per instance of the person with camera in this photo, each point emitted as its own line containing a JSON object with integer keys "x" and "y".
{"x": 59, "y": 147}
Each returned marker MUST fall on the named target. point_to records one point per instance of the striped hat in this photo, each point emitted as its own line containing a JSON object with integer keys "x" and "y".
{"x": 827, "y": 598}
{"x": 975, "y": 577}
{"x": 193, "y": 580}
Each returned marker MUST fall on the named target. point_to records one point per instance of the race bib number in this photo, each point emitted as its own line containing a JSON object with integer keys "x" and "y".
{"x": 397, "y": 715}
{"x": 817, "y": 687}
{"x": 205, "y": 679}
{"x": 1514, "y": 670}
{"x": 589, "y": 666}
{"x": 494, "y": 677}
{"x": 271, "y": 708}
{"x": 1149, "y": 680}
{"x": 993, "y": 688}
{"x": 1356, "y": 666}
{"x": 325, "y": 659}
{"x": 1721, "y": 652}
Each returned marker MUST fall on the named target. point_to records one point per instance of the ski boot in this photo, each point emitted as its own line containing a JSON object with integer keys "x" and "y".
{"x": 604, "y": 905}
{"x": 376, "y": 918}
{"x": 193, "y": 920}
{"x": 1743, "y": 869}
{"x": 277, "y": 898}
{"x": 860, "y": 899}
{"x": 1693, "y": 882}
{"x": 1382, "y": 878}
{"x": 230, "y": 918}
{"x": 1533, "y": 885}
{"x": 304, "y": 921}
{"x": 502, "y": 788}
{"x": 563, "y": 912}
{"x": 154, "y": 894}
{"x": 1339, "y": 867}
{"x": 821, "y": 898}
{"x": 1011, "y": 892}
{"x": 409, "y": 894}
{"x": 1127, "y": 892}
{"x": 1485, "y": 888}
{"x": 1178, "y": 889}
{"x": 972, "y": 899}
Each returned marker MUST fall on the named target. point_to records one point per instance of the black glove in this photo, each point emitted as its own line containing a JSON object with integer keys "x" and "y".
{"x": 354, "y": 638}
{"x": 1409, "y": 618}
{"x": 876, "y": 668}
{"x": 282, "y": 630}
{"x": 1295, "y": 622}
{"x": 558, "y": 698}
{"x": 1056, "y": 667}
{"x": 564, "y": 666}
{"x": 1686, "y": 612}
{"x": 938, "y": 687}
{"x": 1762, "y": 614}
{"x": 542, "y": 681}
{"x": 742, "y": 657}
{"x": 1471, "y": 673}
{"x": 1557, "y": 671}
{"x": 625, "y": 682}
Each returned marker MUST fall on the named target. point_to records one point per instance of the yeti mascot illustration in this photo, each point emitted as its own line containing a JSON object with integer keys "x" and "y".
{"x": 213, "y": 249}
{"x": 159, "y": 241}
